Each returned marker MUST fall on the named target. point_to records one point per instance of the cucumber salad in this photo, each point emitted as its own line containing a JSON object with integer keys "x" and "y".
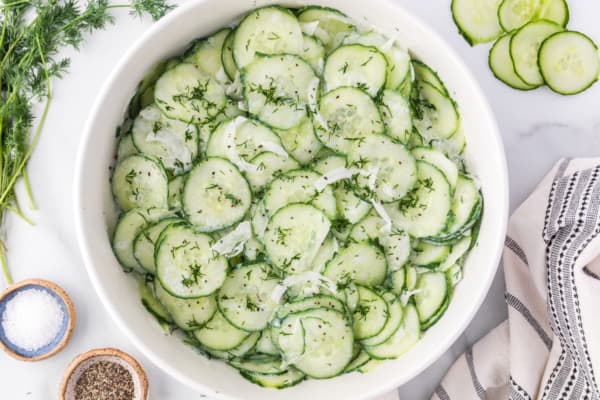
{"x": 293, "y": 196}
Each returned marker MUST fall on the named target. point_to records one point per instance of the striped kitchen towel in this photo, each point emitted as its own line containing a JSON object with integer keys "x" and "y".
{"x": 549, "y": 348}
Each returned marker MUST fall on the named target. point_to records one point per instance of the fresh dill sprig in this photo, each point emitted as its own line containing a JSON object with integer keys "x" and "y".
{"x": 32, "y": 33}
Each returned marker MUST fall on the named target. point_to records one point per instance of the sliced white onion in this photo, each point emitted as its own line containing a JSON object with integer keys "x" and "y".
{"x": 335, "y": 175}
{"x": 275, "y": 148}
{"x": 305, "y": 277}
{"x": 387, "y": 226}
{"x": 310, "y": 27}
{"x": 233, "y": 243}
{"x": 232, "y": 127}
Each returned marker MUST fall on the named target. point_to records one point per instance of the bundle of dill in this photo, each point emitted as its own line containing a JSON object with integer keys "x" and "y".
{"x": 32, "y": 33}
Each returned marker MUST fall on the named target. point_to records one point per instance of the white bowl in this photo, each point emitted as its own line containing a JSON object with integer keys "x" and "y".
{"x": 95, "y": 215}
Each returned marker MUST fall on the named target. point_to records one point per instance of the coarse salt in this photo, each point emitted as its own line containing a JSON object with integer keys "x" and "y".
{"x": 32, "y": 319}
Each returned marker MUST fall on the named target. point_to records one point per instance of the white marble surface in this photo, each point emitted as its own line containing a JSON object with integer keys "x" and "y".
{"x": 537, "y": 127}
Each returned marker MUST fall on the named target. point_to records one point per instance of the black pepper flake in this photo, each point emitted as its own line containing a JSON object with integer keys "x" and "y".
{"x": 105, "y": 380}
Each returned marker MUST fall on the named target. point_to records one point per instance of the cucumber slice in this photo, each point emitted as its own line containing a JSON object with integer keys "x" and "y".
{"x": 185, "y": 265}
{"x": 513, "y": 14}
{"x": 129, "y": 226}
{"x": 411, "y": 277}
{"x": 477, "y": 20}
{"x": 356, "y": 65}
{"x": 397, "y": 279}
{"x": 402, "y": 340}
{"x": 139, "y": 181}
{"x": 313, "y": 52}
{"x": 227, "y": 56}
{"x": 259, "y": 221}
{"x": 300, "y": 141}
{"x": 398, "y": 60}
{"x": 207, "y": 53}
{"x": 215, "y": 195}
{"x": 439, "y": 160}
{"x": 245, "y": 347}
{"x": 396, "y": 115}
{"x": 173, "y": 142}
{"x": 349, "y": 115}
{"x": 126, "y": 147}
{"x": 370, "y": 315}
{"x": 267, "y": 30}
{"x": 524, "y": 47}
{"x": 435, "y": 114}
{"x": 144, "y": 243}
{"x": 218, "y": 334}
{"x": 429, "y": 255}
{"x": 351, "y": 207}
{"x": 391, "y": 169}
{"x": 187, "y": 93}
{"x": 151, "y": 303}
{"x": 265, "y": 345}
{"x": 277, "y": 88}
{"x": 367, "y": 229}
{"x": 362, "y": 262}
{"x": 241, "y": 139}
{"x": 397, "y": 249}
{"x": 268, "y": 165}
{"x": 459, "y": 249}
{"x": 424, "y": 211}
{"x": 245, "y": 297}
{"x": 467, "y": 205}
{"x": 328, "y": 342}
{"x": 259, "y": 363}
{"x": 453, "y": 147}
{"x": 286, "y": 379}
{"x": 187, "y": 314}
{"x": 326, "y": 252}
{"x": 501, "y": 64}
{"x": 318, "y": 301}
{"x": 294, "y": 235}
{"x": 569, "y": 62}
{"x": 431, "y": 297}
{"x": 253, "y": 249}
{"x": 360, "y": 360}
{"x": 392, "y": 323}
{"x": 425, "y": 73}
{"x": 299, "y": 187}
{"x": 175, "y": 189}
{"x": 329, "y": 163}
{"x": 555, "y": 10}
{"x": 331, "y": 25}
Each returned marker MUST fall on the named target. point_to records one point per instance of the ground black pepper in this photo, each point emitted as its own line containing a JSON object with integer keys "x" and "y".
{"x": 105, "y": 380}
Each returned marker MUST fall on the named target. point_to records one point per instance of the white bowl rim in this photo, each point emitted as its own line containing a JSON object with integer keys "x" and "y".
{"x": 114, "y": 313}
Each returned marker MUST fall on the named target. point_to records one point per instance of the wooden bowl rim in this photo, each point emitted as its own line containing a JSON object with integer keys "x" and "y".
{"x": 110, "y": 352}
{"x": 53, "y": 287}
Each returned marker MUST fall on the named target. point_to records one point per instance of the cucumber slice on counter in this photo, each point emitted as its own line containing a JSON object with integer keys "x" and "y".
{"x": 524, "y": 48}
{"x": 569, "y": 62}
{"x": 501, "y": 64}
{"x": 513, "y": 14}
{"x": 477, "y": 20}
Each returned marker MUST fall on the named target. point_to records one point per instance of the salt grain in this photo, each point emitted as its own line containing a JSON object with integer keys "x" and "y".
{"x": 32, "y": 319}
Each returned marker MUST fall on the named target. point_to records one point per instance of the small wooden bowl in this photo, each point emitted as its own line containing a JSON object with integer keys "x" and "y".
{"x": 61, "y": 339}
{"x": 85, "y": 360}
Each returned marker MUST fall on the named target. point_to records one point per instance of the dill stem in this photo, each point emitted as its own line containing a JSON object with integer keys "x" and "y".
{"x": 28, "y": 191}
{"x": 17, "y": 211}
{"x": 14, "y": 3}
{"x": 36, "y": 135}
{"x": 7, "y": 277}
